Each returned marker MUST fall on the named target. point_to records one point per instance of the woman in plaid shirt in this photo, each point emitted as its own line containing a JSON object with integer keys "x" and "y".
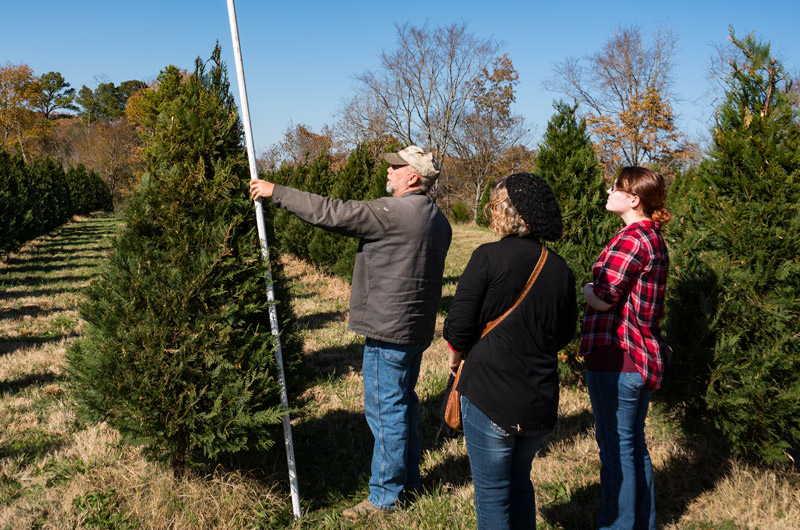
{"x": 623, "y": 346}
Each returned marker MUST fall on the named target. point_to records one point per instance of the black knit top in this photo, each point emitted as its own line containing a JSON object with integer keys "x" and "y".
{"x": 511, "y": 374}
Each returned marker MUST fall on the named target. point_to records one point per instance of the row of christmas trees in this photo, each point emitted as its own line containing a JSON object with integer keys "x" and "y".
{"x": 38, "y": 196}
{"x": 178, "y": 353}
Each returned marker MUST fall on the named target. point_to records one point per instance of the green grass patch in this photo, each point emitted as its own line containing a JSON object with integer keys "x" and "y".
{"x": 30, "y": 446}
{"x": 104, "y": 510}
{"x": 63, "y": 324}
{"x": 10, "y": 489}
{"x": 62, "y": 470}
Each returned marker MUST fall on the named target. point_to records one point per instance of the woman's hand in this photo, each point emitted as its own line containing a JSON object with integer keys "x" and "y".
{"x": 592, "y": 299}
{"x": 455, "y": 360}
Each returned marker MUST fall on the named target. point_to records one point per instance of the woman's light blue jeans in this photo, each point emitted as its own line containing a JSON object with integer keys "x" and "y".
{"x": 392, "y": 410}
{"x": 619, "y": 403}
{"x": 501, "y": 472}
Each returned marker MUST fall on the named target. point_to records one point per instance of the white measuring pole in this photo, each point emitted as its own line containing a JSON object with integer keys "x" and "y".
{"x": 273, "y": 316}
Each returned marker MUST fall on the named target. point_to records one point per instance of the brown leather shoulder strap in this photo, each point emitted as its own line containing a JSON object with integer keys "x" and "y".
{"x": 534, "y": 275}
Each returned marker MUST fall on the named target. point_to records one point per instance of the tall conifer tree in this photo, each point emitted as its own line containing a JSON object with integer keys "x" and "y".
{"x": 178, "y": 354}
{"x": 567, "y": 160}
{"x": 735, "y": 301}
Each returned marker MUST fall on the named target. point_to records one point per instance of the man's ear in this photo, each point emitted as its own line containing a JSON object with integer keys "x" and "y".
{"x": 414, "y": 180}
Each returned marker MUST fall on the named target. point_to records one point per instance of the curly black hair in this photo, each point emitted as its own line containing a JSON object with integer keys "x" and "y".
{"x": 534, "y": 200}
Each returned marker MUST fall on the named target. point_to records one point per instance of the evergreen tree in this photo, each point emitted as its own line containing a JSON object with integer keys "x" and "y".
{"x": 734, "y": 304}
{"x": 46, "y": 196}
{"x": 87, "y": 191}
{"x": 568, "y": 162}
{"x": 359, "y": 179}
{"x": 14, "y": 216}
{"x": 54, "y": 93}
{"x": 481, "y": 217}
{"x": 178, "y": 354}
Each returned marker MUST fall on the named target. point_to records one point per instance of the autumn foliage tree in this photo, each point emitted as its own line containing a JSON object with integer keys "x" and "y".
{"x": 112, "y": 150}
{"x": 626, "y": 89}
{"x": 489, "y": 128}
{"x": 18, "y": 97}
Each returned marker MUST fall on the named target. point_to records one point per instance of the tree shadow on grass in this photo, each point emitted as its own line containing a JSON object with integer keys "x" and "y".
{"x": 21, "y": 383}
{"x": 64, "y": 250}
{"x": 24, "y": 264}
{"x": 569, "y": 427}
{"x": 38, "y": 267}
{"x": 31, "y": 293}
{"x": 32, "y": 447}
{"x": 328, "y": 362}
{"x": 320, "y": 319}
{"x": 8, "y": 346}
{"x": 332, "y": 456}
{"x": 687, "y": 476}
{"x": 678, "y": 483}
{"x": 38, "y": 281}
{"x": 333, "y": 453}
{"x": 34, "y": 311}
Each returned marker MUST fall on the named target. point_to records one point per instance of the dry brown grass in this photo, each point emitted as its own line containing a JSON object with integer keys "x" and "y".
{"x": 58, "y": 472}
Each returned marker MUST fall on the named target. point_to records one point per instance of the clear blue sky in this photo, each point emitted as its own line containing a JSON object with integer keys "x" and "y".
{"x": 300, "y": 57}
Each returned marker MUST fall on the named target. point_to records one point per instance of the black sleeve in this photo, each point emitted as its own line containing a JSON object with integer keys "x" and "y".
{"x": 569, "y": 314}
{"x": 462, "y": 327}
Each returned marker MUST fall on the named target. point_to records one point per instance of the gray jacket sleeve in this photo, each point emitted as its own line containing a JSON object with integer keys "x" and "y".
{"x": 361, "y": 219}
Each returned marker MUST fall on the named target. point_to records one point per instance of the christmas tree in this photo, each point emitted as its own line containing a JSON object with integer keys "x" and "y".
{"x": 734, "y": 303}
{"x": 178, "y": 354}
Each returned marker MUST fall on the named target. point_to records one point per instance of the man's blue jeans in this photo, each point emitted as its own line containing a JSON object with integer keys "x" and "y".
{"x": 392, "y": 409}
{"x": 501, "y": 471}
{"x": 619, "y": 404}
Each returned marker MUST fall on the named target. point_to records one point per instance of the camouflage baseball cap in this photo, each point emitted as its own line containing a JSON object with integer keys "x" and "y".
{"x": 417, "y": 158}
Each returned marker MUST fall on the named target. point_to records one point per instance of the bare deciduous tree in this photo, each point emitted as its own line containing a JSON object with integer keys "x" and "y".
{"x": 424, "y": 87}
{"x": 363, "y": 120}
{"x": 627, "y": 89}
{"x": 300, "y": 145}
{"x": 113, "y": 150}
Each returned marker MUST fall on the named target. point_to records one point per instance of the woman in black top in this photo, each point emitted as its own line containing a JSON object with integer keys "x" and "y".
{"x": 509, "y": 383}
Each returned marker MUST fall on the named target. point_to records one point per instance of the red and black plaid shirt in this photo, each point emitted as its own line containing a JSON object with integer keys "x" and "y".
{"x": 631, "y": 275}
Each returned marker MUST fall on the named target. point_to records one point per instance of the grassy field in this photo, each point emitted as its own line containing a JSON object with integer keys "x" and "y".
{"x": 59, "y": 472}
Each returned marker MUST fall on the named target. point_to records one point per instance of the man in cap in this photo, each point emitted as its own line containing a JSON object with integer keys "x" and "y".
{"x": 394, "y": 298}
